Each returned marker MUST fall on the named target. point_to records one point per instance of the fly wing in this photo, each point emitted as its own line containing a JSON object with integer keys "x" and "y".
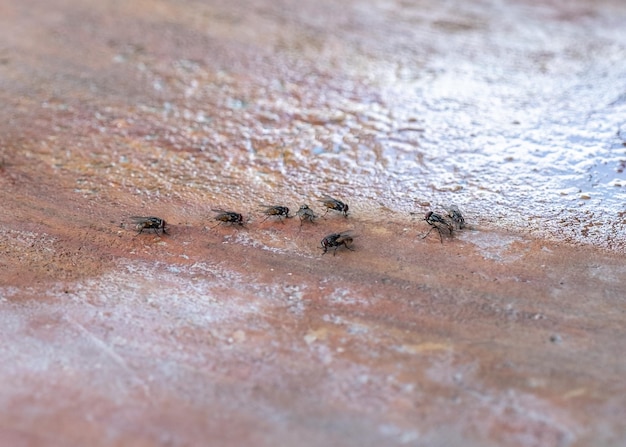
{"x": 141, "y": 219}
{"x": 327, "y": 198}
{"x": 444, "y": 226}
{"x": 348, "y": 233}
{"x": 270, "y": 209}
{"x": 440, "y": 222}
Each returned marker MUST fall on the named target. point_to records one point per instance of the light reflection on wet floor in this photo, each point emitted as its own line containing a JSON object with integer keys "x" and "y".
{"x": 515, "y": 118}
{"x": 523, "y": 135}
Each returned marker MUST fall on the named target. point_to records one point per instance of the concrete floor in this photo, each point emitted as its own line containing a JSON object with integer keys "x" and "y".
{"x": 511, "y": 332}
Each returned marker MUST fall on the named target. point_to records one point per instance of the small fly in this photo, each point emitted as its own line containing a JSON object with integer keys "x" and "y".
{"x": 336, "y": 240}
{"x": 455, "y": 214}
{"x": 334, "y": 204}
{"x": 306, "y": 213}
{"x": 438, "y": 222}
{"x": 230, "y": 217}
{"x": 278, "y": 211}
{"x": 146, "y": 223}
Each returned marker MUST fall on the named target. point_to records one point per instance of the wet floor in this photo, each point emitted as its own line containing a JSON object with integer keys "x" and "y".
{"x": 514, "y": 113}
{"x": 508, "y": 333}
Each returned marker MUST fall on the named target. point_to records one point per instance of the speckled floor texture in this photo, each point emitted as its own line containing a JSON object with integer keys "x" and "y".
{"x": 507, "y": 332}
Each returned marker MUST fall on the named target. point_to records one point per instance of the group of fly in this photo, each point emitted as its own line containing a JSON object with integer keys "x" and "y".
{"x": 445, "y": 223}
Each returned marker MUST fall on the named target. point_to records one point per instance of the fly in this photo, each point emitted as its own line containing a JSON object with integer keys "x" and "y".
{"x": 306, "y": 213}
{"x": 146, "y": 223}
{"x": 455, "y": 214}
{"x": 278, "y": 211}
{"x": 439, "y": 223}
{"x": 224, "y": 217}
{"x": 336, "y": 240}
{"x": 333, "y": 204}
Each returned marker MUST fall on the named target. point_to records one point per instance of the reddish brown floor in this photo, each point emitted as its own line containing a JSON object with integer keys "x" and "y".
{"x": 237, "y": 336}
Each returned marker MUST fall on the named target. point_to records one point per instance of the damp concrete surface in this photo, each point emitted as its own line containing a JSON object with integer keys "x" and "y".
{"x": 510, "y": 331}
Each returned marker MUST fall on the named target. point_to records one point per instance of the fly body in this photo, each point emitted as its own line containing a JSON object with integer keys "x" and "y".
{"x": 147, "y": 223}
{"x": 228, "y": 217}
{"x": 306, "y": 213}
{"x": 439, "y": 223}
{"x": 333, "y": 204}
{"x": 454, "y": 213}
{"x": 336, "y": 240}
{"x": 276, "y": 211}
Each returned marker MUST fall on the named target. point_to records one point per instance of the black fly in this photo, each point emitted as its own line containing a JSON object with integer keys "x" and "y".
{"x": 306, "y": 213}
{"x": 455, "y": 214}
{"x": 336, "y": 240}
{"x": 439, "y": 223}
{"x": 334, "y": 204}
{"x": 231, "y": 217}
{"x": 146, "y": 223}
{"x": 278, "y": 211}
